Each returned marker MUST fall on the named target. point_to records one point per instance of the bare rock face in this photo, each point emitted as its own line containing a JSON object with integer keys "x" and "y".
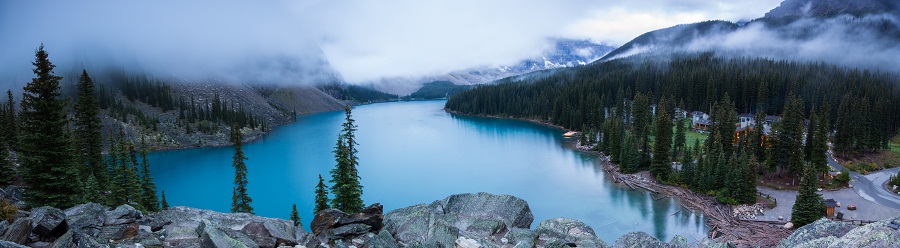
{"x": 18, "y": 231}
{"x": 827, "y": 233}
{"x": 482, "y": 216}
{"x": 565, "y": 231}
{"x": 87, "y": 218}
{"x": 48, "y": 222}
{"x": 331, "y": 225}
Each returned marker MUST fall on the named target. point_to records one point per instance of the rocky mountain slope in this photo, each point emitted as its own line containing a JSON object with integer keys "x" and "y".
{"x": 562, "y": 53}
{"x": 849, "y": 33}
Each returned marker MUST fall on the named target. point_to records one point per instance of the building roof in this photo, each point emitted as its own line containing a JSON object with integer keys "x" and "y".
{"x": 695, "y": 113}
{"x": 772, "y": 118}
{"x": 703, "y": 122}
{"x": 745, "y": 115}
{"x": 830, "y": 203}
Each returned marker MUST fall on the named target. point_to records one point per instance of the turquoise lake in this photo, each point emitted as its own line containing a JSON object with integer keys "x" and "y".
{"x": 414, "y": 152}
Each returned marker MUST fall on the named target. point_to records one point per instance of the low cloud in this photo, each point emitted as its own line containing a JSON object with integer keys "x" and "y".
{"x": 844, "y": 40}
{"x": 294, "y": 42}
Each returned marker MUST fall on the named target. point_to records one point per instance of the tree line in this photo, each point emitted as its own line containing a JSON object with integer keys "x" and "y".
{"x": 577, "y": 98}
{"x": 60, "y": 157}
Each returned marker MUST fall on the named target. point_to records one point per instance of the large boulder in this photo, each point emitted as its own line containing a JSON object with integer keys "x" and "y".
{"x": 370, "y": 216}
{"x": 76, "y": 239}
{"x": 877, "y": 234}
{"x": 124, "y": 214}
{"x": 641, "y": 239}
{"x": 819, "y": 229}
{"x": 326, "y": 219}
{"x": 86, "y": 218}
{"x": 48, "y": 222}
{"x": 271, "y": 232}
{"x": 558, "y": 231}
{"x": 18, "y": 231}
{"x": 482, "y": 216}
{"x": 7, "y": 244}
{"x": 213, "y": 237}
{"x": 383, "y": 239}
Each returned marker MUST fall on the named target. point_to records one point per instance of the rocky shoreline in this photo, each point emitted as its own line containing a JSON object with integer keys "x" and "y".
{"x": 463, "y": 220}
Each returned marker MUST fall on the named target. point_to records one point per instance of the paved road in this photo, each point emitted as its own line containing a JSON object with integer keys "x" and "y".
{"x": 870, "y": 187}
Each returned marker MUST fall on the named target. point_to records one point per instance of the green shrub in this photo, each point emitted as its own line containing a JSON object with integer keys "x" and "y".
{"x": 7, "y": 211}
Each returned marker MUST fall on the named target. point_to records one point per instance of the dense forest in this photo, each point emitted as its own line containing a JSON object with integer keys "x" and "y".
{"x": 864, "y": 106}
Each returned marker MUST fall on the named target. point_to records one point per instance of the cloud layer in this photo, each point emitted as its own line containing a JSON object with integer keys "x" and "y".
{"x": 287, "y": 41}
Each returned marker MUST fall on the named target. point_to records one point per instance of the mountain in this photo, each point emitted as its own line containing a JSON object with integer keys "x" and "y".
{"x": 562, "y": 53}
{"x": 861, "y": 33}
{"x": 831, "y": 8}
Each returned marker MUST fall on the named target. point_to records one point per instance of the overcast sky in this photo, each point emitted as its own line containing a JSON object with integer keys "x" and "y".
{"x": 362, "y": 39}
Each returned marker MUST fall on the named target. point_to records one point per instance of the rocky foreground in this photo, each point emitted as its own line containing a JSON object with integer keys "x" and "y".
{"x": 464, "y": 220}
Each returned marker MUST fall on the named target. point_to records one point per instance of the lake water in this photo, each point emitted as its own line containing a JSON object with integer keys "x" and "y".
{"x": 414, "y": 152}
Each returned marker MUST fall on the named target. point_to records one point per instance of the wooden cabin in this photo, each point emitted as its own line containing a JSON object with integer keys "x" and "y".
{"x": 830, "y": 204}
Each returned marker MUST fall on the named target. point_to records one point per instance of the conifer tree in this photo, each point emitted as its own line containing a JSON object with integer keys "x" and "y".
{"x": 87, "y": 131}
{"x": 787, "y": 149}
{"x": 660, "y": 167}
{"x": 809, "y": 205}
{"x": 45, "y": 157}
{"x": 92, "y": 190}
{"x": 688, "y": 168}
{"x": 642, "y": 120}
{"x": 321, "y": 196}
{"x": 148, "y": 187}
{"x": 295, "y": 216}
{"x": 7, "y": 169}
{"x": 10, "y": 123}
{"x": 345, "y": 177}
{"x": 757, "y": 140}
{"x": 118, "y": 192}
{"x": 240, "y": 201}
{"x": 129, "y": 168}
{"x": 680, "y": 138}
{"x": 164, "y": 203}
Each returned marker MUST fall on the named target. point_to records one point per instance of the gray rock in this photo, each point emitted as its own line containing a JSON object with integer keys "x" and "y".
{"x": 124, "y": 214}
{"x": 7, "y": 244}
{"x": 118, "y": 232}
{"x": 520, "y": 237}
{"x": 271, "y": 232}
{"x": 213, "y": 237}
{"x": 819, "y": 229}
{"x": 640, "y": 239}
{"x": 76, "y": 239}
{"x": 18, "y": 231}
{"x": 349, "y": 231}
{"x": 512, "y": 211}
{"x": 3, "y": 226}
{"x": 371, "y": 216}
{"x": 87, "y": 218}
{"x": 876, "y": 234}
{"x": 383, "y": 239}
{"x": 48, "y": 222}
{"x": 481, "y": 216}
{"x": 679, "y": 241}
{"x": 567, "y": 231}
{"x": 326, "y": 219}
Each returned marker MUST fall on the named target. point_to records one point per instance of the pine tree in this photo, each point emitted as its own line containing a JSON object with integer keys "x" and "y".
{"x": 118, "y": 192}
{"x": 11, "y": 123}
{"x": 7, "y": 169}
{"x": 787, "y": 149}
{"x": 757, "y": 140}
{"x": 680, "y": 138}
{"x": 345, "y": 177}
{"x": 295, "y": 216}
{"x": 660, "y": 168}
{"x": 148, "y": 187}
{"x": 92, "y": 190}
{"x": 809, "y": 206}
{"x": 87, "y": 131}
{"x": 240, "y": 201}
{"x": 642, "y": 120}
{"x": 688, "y": 168}
{"x": 45, "y": 157}
{"x": 164, "y": 203}
{"x": 321, "y": 196}
{"x": 132, "y": 180}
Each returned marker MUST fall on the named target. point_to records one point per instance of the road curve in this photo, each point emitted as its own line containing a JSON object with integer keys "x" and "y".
{"x": 870, "y": 187}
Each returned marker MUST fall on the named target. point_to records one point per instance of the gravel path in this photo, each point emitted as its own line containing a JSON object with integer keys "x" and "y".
{"x": 866, "y": 210}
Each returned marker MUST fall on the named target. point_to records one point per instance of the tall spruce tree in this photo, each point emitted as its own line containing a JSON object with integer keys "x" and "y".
{"x": 89, "y": 145}
{"x": 787, "y": 149}
{"x": 641, "y": 124}
{"x": 345, "y": 177}
{"x": 148, "y": 187}
{"x": 10, "y": 123}
{"x": 7, "y": 169}
{"x": 92, "y": 190}
{"x": 129, "y": 168}
{"x": 45, "y": 158}
{"x": 757, "y": 136}
{"x": 164, "y": 204}
{"x": 660, "y": 167}
{"x": 321, "y": 196}
{"x": 295, "y": 216}
{"x": 240, "y": 201}
{"x": 680, "y": 138}
{"x": 809, "y": 206}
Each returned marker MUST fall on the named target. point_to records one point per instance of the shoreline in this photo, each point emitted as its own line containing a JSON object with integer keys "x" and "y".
{"x": 723, "y": 227}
